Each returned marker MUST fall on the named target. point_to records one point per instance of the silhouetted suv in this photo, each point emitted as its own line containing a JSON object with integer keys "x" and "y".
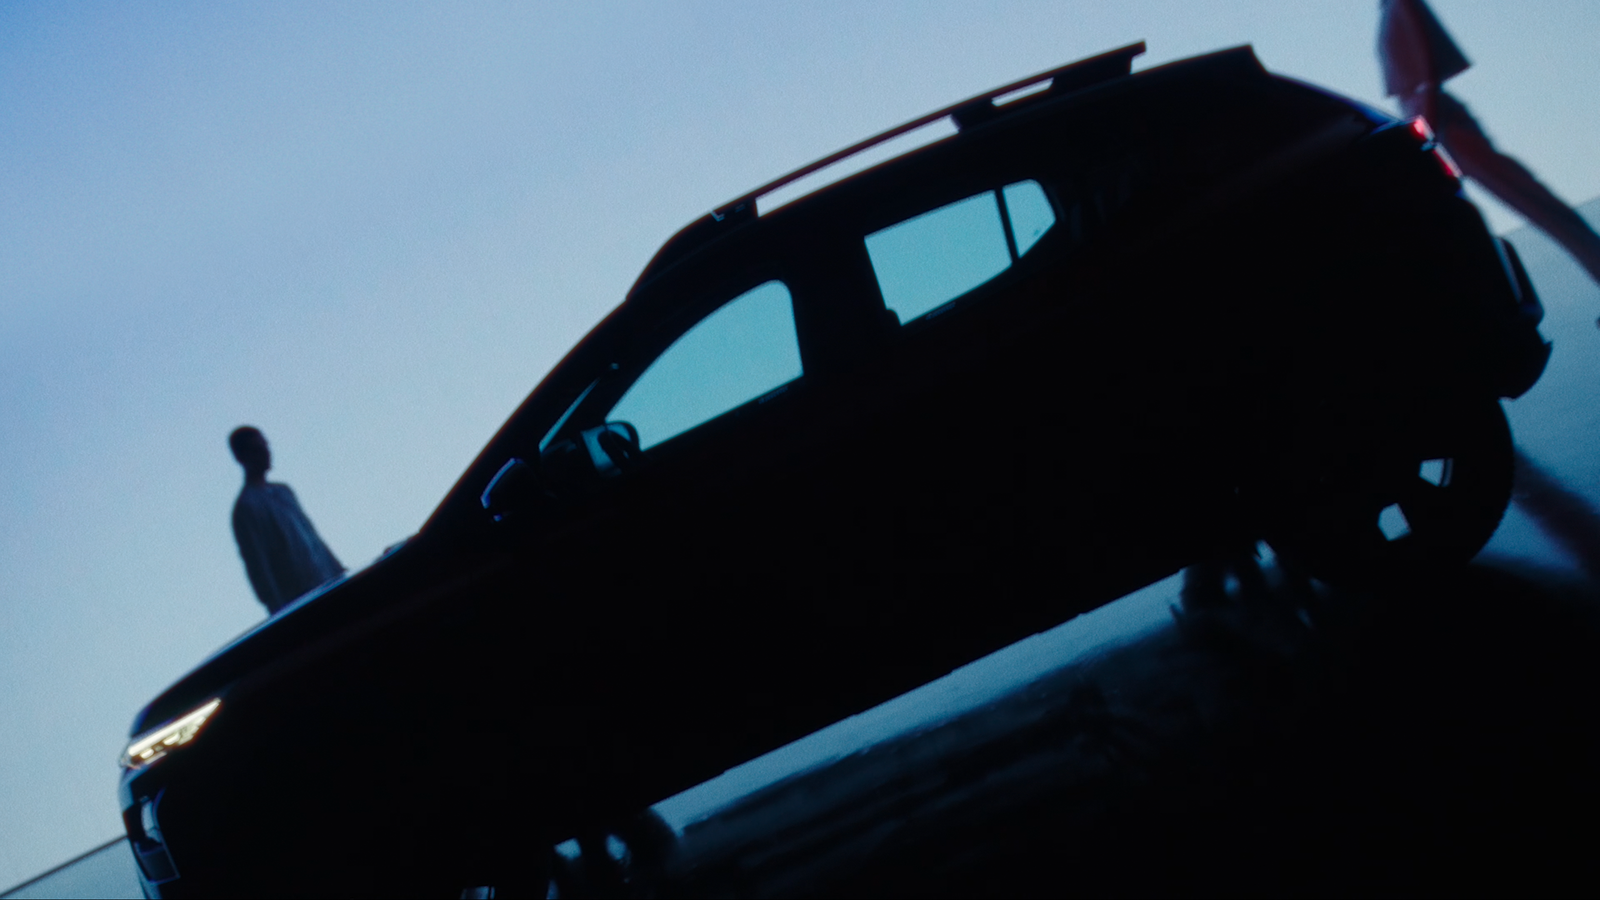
{"x": 829, "y": 450}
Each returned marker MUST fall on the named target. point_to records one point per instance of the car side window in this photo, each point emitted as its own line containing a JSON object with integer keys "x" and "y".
{"x": 926, "y": 261}
{"x": 744, "y": 350}
{"x": 1029, "y": 212}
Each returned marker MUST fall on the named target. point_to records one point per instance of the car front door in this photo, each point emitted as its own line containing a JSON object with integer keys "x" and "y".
{"x": 659, "y": 590}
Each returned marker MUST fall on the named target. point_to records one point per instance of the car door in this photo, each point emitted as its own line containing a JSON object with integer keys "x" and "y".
{"x": 970, "y": 388}
{"x": 658, "y": 589}
{"x": 1039, "y": 428}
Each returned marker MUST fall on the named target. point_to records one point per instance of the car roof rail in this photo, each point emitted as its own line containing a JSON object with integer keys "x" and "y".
{"x": 967, "y": 113}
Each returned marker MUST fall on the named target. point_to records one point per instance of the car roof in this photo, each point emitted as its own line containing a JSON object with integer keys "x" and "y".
{"x": 966, "y": 113}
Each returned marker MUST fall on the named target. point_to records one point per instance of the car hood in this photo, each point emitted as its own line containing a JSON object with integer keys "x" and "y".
{"x": 316, "y": 613}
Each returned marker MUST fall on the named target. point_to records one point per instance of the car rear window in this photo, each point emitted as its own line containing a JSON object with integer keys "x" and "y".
{"x": 927, "y": 261}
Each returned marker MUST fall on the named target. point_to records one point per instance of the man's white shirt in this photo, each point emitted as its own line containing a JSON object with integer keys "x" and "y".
{"x": 283, "y": 555}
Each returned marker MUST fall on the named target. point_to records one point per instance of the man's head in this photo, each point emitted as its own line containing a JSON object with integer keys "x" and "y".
{"x": 249, "y": 447}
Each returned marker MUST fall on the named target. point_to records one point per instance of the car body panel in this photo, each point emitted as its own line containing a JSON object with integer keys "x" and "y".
{"x": 1238, "y": 264}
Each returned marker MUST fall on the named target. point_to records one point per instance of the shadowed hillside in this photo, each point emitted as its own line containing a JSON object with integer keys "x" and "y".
{"x": 1417, "y": 740}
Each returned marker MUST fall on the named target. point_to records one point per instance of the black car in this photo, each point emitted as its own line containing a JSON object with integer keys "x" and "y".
{"x": 825, "y": 452}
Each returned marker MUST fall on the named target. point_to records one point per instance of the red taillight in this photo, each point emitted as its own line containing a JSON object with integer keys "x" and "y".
{"x": 1448, "y": 164}
{"x": 1424, "y": 132}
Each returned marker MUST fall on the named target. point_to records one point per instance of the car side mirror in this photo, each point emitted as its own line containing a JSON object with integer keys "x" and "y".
{"x": 591, "y": 458}
{"x": 613, "y": 448}
{"x": 514, "y": 490}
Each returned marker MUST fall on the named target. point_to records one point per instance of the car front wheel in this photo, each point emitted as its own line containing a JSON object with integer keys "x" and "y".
{"x": 1429, "y": 495}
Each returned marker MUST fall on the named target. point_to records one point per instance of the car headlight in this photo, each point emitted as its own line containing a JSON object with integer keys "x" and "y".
{"x": 152, "y": 745}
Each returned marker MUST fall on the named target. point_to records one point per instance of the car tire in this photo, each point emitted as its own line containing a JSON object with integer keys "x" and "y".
{"x": 1428, "y": 496}
{"x": 649, "y": 844}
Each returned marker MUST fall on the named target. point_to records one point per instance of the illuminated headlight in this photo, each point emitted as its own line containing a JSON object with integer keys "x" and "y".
{"x": 151, "y": 746}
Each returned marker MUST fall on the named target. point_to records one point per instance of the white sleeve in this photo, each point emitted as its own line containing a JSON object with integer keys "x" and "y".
{"x": 257, "y": 567}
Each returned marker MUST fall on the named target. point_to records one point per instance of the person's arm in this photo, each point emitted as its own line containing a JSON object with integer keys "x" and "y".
{"x": 1427, "y": 103}
{"x": 318, "y": 545}
{"x": 256, "y": 567}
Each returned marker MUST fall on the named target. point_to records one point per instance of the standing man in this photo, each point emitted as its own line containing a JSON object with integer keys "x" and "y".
{"x": 282, "y": 553}
{"x": 1418, "y": 57}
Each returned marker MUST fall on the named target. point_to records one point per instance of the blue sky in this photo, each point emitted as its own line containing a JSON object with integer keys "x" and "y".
{"x": 371, "y": 228}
